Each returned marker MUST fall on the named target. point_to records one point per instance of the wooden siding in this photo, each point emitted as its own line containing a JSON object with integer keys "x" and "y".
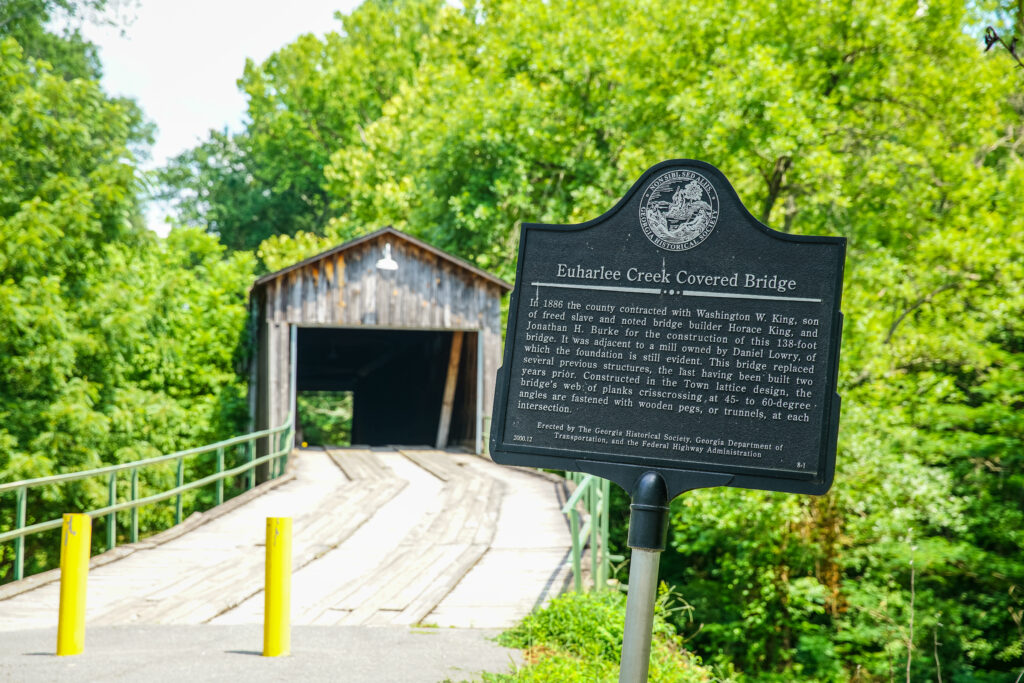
{"x": 345, "y": 289}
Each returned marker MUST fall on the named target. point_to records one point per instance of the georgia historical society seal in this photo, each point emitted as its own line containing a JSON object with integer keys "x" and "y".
{"x": 678, "y": 210}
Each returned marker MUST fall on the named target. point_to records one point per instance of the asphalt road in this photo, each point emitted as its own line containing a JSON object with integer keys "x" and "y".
{"x": 353, "y": 654}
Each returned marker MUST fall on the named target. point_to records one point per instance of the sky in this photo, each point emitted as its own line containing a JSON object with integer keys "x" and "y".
{"x": 180, "y": 59}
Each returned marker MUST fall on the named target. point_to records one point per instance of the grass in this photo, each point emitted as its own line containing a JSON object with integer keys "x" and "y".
{"x": 578, "y": 638}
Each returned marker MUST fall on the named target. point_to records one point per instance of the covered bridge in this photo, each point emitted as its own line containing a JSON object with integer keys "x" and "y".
{"x": 413, "y": 332}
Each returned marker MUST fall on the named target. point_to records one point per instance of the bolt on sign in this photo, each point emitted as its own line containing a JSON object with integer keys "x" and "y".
{"x": 674, "y": 333}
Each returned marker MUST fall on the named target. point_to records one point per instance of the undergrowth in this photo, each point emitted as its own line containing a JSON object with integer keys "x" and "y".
{"x": 578, "y": 638}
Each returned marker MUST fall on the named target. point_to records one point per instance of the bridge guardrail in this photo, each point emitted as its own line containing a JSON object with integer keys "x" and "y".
{"x": 595, "y": 494}
{"x": 279, "y": 444}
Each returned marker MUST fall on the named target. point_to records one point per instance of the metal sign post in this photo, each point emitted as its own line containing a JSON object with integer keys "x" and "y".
{"x": 648, "y": 527}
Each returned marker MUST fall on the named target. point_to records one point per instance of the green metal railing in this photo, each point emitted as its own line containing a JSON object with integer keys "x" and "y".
{"x": 593, "y": 494}
{"x": 279, "y": 444}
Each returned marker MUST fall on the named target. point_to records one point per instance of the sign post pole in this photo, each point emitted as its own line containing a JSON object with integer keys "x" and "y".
{"x": 648, "y": 527}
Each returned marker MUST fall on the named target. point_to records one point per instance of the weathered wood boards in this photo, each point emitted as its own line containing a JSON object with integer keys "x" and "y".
{"x": 343, "y": 288}
{"x": 674, "y": 333}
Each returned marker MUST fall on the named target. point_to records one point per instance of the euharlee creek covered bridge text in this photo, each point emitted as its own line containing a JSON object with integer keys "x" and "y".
{"x": 690, "y": 356}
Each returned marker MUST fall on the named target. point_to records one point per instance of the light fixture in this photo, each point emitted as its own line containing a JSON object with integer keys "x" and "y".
{"x": 387, "y": 263}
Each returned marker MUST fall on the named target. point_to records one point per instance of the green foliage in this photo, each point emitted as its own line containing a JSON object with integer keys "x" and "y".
{"x": 280, "y": 251}
{"x": 304, "y": 102}
{"x": 30, "y": 23}
{"x": 578, "y": 637}
{"x": 325, "y": 417}
{"x": 114, "y": 345}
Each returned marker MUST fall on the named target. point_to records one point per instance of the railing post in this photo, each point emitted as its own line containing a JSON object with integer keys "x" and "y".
{"x": 112, "y": 517}
{"x": 19, "y": 544}
{"x": 250, "y": 475}
{"x": 275, "y": 464}
{"x": 286, "y": 441}
{"x": 286, "y": 446}
{"x": 289, "y": 444}
{"x": 135, "y": 510}
{"x": 574, "y": 529}
{"x": 181, "y": 480}
{"x": 606, "y": 494}
{"x": 220, "y": 482}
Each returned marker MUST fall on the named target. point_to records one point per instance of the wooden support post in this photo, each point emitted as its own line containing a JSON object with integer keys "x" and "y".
{"x": 445, "y": 422}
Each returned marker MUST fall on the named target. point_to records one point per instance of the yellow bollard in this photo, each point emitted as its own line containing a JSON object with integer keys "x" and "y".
{"x": 75, "y": 546}
{"x": 277, "y": 605}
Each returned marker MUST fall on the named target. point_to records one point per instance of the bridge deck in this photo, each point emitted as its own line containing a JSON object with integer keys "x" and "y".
{"x": 379, "y": 537}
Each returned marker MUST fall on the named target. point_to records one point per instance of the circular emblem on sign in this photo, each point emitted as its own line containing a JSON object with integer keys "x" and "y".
{"x": 678, "y": 210}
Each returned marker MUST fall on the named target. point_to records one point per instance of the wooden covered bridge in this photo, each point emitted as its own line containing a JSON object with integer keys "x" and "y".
{"x": 413, "y": 332}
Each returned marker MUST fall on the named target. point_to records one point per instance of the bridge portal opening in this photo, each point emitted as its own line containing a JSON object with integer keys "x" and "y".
{"x": 408, "y": 387}
{"x": 323, "y": 418}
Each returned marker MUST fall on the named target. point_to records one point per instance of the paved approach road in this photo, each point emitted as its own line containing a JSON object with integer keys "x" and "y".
{"x": 406, "y": 556}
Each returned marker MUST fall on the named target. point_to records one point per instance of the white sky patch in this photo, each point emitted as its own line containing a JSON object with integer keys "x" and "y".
{"x": 180, "y": 60}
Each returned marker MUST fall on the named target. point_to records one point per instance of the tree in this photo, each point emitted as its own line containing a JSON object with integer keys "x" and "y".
{"x": 30, "y": 23}
{"x": 304, "y": 102}
{"x": 114, "y": 345}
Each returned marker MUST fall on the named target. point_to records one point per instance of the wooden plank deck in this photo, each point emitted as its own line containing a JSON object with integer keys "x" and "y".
{"x": 359, "y": 464}
{"x": 438, "y": 463}
{"x": 379, "y": 537}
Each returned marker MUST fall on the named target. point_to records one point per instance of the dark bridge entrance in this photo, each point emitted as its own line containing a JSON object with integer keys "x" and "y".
{"x": 410, "y": 387}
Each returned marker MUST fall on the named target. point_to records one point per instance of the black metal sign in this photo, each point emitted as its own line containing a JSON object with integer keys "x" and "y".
{"x": 674, "y": 333}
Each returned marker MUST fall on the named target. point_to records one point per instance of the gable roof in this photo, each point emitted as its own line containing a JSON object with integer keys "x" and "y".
{"x": 465, "y": 265}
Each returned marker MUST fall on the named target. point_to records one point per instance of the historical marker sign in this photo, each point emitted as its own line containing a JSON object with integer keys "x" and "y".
{"x": 674, "y": 333}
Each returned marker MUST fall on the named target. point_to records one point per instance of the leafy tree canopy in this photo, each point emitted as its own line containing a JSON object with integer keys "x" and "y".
{"x": 114, "y": 345}
{"x": 30, "y": 23}
{"x": 306, "y": 101}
